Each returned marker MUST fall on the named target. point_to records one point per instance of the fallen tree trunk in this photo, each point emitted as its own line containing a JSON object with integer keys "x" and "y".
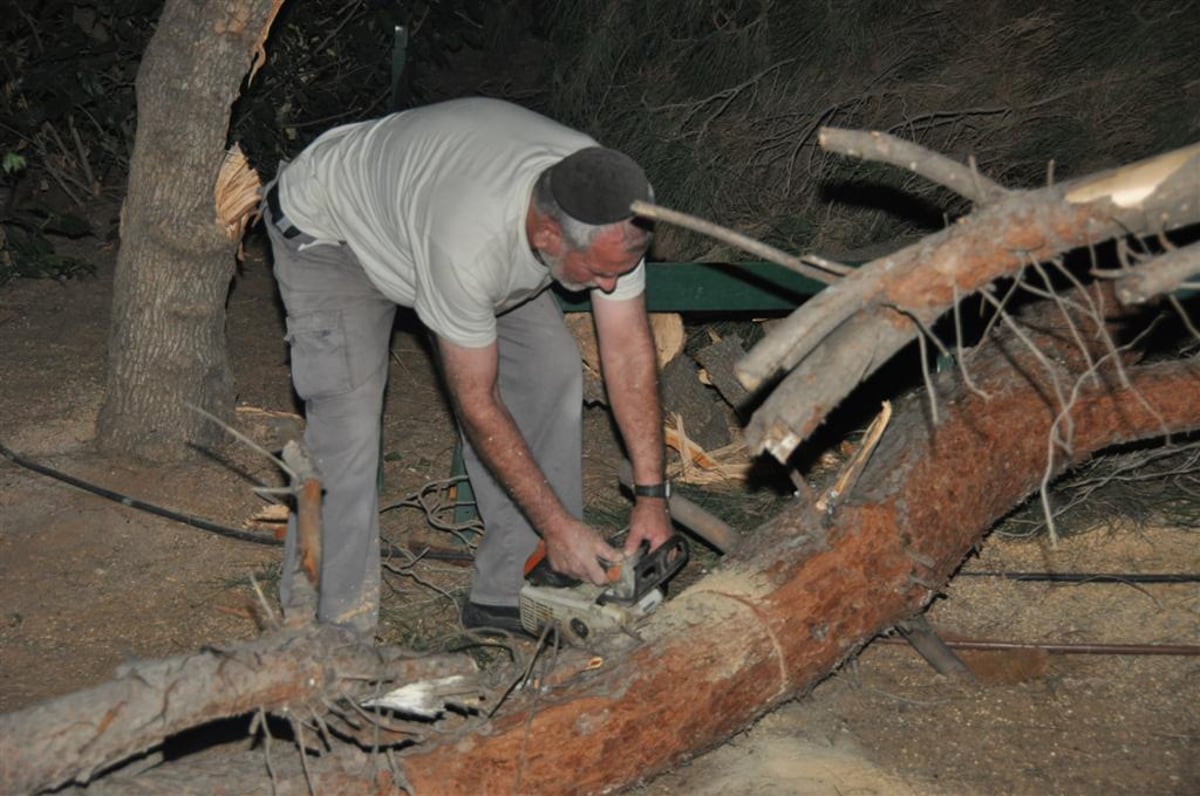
{"x": 808, "y": 590}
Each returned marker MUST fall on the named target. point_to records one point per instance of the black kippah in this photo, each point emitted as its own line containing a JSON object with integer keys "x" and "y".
{"x": 597, "y": 185}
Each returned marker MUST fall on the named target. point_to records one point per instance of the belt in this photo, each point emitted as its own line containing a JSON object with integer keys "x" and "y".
{"x": 281, "y": 221}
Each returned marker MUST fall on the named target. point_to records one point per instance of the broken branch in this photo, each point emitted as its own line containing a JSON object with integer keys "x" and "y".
{"x": 1159, "y": 275}
{"x": 928, "y": 277}
{"x": 816, "y": 268}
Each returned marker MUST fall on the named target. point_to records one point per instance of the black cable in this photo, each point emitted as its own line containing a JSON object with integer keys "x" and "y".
{"x": 134, "y": 503}
{"x": 387, "y": 548}
{"x": 1088, "y": 577}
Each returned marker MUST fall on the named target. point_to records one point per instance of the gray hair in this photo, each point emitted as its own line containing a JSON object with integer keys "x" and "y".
{"x": 576, "y": 234}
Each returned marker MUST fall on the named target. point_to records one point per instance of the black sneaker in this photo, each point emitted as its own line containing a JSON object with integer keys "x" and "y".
{"x": 477, "y": 616}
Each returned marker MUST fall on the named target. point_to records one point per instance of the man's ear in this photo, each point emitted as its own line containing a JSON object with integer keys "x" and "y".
{"x": 547, "y": 236}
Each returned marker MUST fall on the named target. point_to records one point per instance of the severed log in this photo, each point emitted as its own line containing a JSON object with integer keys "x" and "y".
{"x": 74, "y": 737}
{"x": 872, "y": 313}
{"x": 719, "y": 359}
{"x": 808, "y": 589}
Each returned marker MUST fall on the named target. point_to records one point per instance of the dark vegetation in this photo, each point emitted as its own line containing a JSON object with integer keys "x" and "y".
{"x": 68, "y": 111}
{"x": 720, "y": 99}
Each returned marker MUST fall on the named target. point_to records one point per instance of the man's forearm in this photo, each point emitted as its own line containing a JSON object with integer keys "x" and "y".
{"x": 631, "y": 380}
{"x": 499, "y": 443}
{"x": 630, "y": 366}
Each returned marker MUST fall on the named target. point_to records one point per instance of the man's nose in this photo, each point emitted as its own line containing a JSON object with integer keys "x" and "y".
{"x": 606, "y": 283}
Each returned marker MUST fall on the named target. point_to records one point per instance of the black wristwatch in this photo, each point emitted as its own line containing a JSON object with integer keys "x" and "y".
{"x": 660, "y": 490}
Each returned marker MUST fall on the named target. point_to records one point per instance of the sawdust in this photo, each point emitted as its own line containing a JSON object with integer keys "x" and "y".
{"x": 786, "y": 754}
{"x": 719, "y": 596}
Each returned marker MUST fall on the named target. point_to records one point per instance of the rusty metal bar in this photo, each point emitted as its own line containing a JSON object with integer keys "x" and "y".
{"x": 698, "y": 520}
{"x": 1064, "y": 648}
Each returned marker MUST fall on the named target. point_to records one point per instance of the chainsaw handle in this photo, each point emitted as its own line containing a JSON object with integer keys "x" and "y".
{"x": 536, "y": 557}
{"x": 545, "y": 573}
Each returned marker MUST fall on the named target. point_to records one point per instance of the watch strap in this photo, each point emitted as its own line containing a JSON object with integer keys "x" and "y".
{"x": 660, "y": 490}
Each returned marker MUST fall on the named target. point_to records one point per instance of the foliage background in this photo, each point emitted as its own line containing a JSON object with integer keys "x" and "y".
{"x": 722, "y": 99}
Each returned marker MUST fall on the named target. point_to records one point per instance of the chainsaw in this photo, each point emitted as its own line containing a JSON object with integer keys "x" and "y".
{"x": 581, "y": 612}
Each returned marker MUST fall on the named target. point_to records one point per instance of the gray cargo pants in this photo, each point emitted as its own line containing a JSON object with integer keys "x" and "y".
{"x": 339, "y": 328}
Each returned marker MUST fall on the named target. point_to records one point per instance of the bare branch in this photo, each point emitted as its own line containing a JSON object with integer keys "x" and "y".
{"x": 884, "y": 148}
{"x": 814, "y": 268}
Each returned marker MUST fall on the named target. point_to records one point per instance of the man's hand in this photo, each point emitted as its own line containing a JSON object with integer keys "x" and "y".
{"x": 649, "y": 521}
{"x": 574, "y": 549}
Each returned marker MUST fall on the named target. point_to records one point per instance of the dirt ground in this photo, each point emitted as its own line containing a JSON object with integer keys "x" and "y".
{"x": 86, "y": 584}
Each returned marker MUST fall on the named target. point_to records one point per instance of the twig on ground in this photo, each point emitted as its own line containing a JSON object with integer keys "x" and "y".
{"x": 432, "y": 500}
{"x": 407, "y": 571}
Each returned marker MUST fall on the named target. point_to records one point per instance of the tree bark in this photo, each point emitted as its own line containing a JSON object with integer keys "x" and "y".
{"x": 167, "y": 334}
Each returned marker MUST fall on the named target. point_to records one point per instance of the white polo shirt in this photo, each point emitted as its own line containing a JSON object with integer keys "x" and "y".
{"x": 433, "y": 201}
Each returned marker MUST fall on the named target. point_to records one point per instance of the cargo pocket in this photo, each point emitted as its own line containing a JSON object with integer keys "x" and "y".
{"x": 320, "y": 359}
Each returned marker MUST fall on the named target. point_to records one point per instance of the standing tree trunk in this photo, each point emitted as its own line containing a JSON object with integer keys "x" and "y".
{"x": 166, "y": 345}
